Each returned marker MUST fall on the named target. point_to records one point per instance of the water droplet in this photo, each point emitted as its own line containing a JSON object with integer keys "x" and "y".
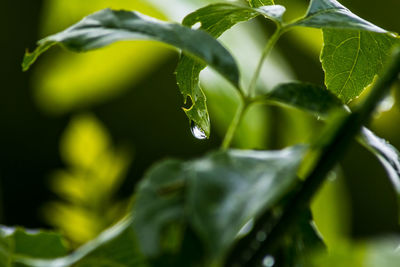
{"x": 332, "y": 176}
{"x": 268, "y": 261}
{"x": 196, "y": 26}
{"x": 386, "y": 104}
{"x": 197, "y": 131}
{"x": 261, "y": 236}
{"x": 246, "y": 228}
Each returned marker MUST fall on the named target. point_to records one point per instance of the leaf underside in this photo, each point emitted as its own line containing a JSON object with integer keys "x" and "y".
{"x": 305, "y": 96}
{"x": 331, "y": 14}
{"x": 352, "y": 59}
{"x": 354, "y": 51}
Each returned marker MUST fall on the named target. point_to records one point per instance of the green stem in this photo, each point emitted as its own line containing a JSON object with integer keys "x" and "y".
{"x": 337, "y": 139}
{"x": 267, "y": 50}
{"x": 241, "y": 110}
{"x": 246, "y": 101}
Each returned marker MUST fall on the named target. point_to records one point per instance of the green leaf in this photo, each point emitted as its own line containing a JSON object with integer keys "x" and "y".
{"x": 258, "y": 3}
{"x": 355, "y": 50}
{"x": 305, "y": 96}
{"x": 352, "y": 59}
{"x": 114, "y": 247}
{"x": 320, "y": 102}
{"x": 331, "y": 14}
{"x": 239, "y": 185}
{"x": 17, "y": 242}
{"x": 214, "y": 19}
{"x": 159, "y": 202}
{"x": 108, "y": 26}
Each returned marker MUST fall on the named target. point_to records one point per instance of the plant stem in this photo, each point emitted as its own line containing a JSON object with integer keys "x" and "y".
{"x": 267, "y": 50}
{"x": 241, "y": 110}
{"x": 340, "y": 133}
{"x": 246, "y": 101}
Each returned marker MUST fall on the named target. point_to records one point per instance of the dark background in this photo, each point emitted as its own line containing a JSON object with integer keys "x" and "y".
{"x": 29, "y": 139}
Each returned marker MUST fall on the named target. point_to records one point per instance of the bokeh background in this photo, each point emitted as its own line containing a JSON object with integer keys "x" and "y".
{"x": 79, "y": 130}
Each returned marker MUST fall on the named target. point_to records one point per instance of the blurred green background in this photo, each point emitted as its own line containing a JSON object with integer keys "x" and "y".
{"x": 79, "y": 130}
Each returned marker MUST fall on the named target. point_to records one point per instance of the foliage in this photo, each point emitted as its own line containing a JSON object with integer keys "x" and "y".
{"x": 230, "y": 207}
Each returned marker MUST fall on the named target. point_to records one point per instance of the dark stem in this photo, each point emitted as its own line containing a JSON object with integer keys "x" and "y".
{"x": 336, "y": 139}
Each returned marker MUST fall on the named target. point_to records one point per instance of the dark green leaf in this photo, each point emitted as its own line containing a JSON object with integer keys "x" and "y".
{"x": 352, "y": 59}
{"x": 258, "y": 3}
{"x": 108, "y": 26}
{"x": 214, "y": 19}
{"x": 320, "y": 102}
{"x": 216, "y": 195}
{"x": 17, "y": 242}
{"x": 308, "y": 97}
{"x": 239, "y": 186}
{"x": 114, "y": 247}
{"x": 159, "y": 202}
{"x": 32, "y": 243}
{"x": 299, "y": 243}
{"x": 331, "y": 14}
{"x": 387, "y": 154}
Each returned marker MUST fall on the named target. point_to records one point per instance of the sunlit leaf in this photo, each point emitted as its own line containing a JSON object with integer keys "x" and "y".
{"x": 352, "y": 59}
{"x": 354, "y": 51}
{"x": 239, "y": 185}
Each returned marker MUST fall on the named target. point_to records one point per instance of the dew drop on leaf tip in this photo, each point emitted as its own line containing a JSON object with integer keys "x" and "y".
{"x": 197, "y": 132}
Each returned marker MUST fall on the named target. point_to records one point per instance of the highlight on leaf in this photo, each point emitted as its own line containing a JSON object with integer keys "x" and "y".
{"x": 107, "y": 26}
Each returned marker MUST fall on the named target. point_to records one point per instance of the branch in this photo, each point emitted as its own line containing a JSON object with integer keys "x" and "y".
{"x": 335, "y": 140}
